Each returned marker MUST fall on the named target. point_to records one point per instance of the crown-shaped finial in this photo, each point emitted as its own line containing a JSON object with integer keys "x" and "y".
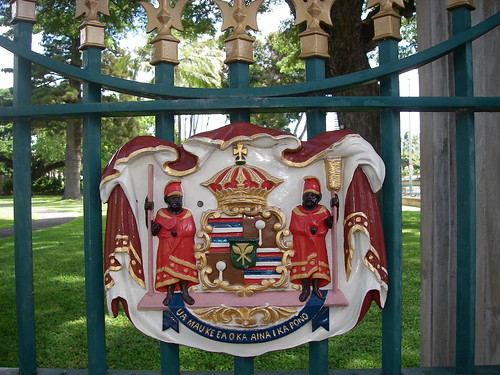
{"x": 241, "y": 188}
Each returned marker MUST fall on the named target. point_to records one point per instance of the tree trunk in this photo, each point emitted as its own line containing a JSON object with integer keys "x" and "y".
{"x": 349, "y": 42}
{"x": 73, "y": 160}
{"x": 73, "y": 153}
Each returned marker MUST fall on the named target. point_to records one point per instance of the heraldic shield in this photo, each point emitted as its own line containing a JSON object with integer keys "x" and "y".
{"x": 244, "y": 236}
{"x": 243, "y": 251}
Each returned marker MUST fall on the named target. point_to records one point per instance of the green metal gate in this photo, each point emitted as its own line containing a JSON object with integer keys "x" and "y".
{"x": 239, "y": 100}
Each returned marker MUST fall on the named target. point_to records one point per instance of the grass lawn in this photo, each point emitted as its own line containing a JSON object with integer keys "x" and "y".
{"x": 60, "y": 311}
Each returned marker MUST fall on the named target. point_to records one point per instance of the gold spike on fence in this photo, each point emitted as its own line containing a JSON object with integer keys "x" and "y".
{"x": 313, "y": 40}
{"x": 91, "y": 30}
{"x": 23, "y": 10}
{"x": 387, "y": 22}
{"x": 239, "y": 45}
{"x": 163, "y": 19}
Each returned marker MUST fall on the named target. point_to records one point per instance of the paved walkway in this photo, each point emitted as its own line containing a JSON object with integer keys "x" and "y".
{"x": 46, "y": 219}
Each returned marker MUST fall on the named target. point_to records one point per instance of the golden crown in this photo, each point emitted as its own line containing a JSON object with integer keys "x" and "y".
{"x": 241, "y": 188}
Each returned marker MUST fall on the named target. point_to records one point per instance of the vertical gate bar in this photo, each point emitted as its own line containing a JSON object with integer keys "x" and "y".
{"x": 239, "y": 77}
{"x": 243, "y": 366}
{"x": 316, "y": 124}
{"x": 466, "y": 200}
{"x": 92, "y": 216}
{"x": 391, "y": 215}
{"x": 318, "y": 357}
{"x": 316, "y": 118}
{"x": 25, "y": 308}
{"x": 169, "y": 359}
{"x": 164, "y": 75}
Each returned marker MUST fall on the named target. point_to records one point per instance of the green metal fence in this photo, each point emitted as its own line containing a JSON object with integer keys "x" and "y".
{"x": 239, "y": 100}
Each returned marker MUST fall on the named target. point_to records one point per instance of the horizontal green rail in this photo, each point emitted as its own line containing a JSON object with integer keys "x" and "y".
{"x": 328, "y": 85}
{"x": 256, "y": 104}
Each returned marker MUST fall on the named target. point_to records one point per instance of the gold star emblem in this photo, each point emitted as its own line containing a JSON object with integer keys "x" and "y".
{"x": 313, "y": 12}
{"x": 164, "y": 17}
{"x": 386, "y": 6}
{"x": 91, "y": 8}
{"x": 239, "y": 16}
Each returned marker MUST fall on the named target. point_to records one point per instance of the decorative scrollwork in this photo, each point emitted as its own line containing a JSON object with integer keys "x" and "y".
{"x": 245, "y": 316}
{"x": 202, "y": 251}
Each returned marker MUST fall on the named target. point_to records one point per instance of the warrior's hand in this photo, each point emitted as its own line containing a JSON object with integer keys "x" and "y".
{"x": 149, "y": 206}
{"x": 329, "y": 222}
{"x": 155, "y": 228}
{"x": 173, "y": 232}
{"x": 313, "y": 230}
{"x": 334, "y": 202}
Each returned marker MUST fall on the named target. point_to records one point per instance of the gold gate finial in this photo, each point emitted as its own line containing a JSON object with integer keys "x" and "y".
{"x": 22, "y": 10}
{"x": 239, "y": 16}
{"x": 313, "y": 40}
{"x": 452, "y": 4}
{"x": 91, "y": 30}
{"x": 387, "y": 21}
{"x": 164, "y": 18}
{"x": 91, "y": 9}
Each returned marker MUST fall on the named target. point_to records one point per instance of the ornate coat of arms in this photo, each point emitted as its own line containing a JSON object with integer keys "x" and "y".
{"x": 244, "y": 236}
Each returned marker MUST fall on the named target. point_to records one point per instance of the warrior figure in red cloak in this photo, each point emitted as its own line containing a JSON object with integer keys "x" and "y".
{"x": 175, "y": 261}
{"x": 309, "y": 225}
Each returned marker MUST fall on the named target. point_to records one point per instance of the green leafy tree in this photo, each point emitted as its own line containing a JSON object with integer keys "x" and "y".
{"x": 5, "y": 144}
{"x": 60, "y": 39}
{"x": 201, "y": 65}
{"x": 410, "y": 154}
{"x": 277, "y": 62}
{"x": 350, "y": 45}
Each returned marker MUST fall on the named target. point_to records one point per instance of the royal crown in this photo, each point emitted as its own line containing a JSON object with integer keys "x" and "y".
{"x": 241, "y": 188}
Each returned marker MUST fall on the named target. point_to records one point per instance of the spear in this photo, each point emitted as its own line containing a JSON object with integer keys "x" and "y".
{"x": 150, "y": 234}
{"x": 333, "y": 167}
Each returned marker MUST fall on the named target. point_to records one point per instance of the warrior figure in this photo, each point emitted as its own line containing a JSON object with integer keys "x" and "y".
{"x": 309, "y": 225}
{"x": 175, "y": 228}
